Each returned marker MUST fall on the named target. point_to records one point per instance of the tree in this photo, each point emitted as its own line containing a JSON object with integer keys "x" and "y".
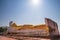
{"x": 1, "y": 29}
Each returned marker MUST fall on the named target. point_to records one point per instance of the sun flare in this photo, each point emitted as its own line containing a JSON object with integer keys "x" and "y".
{"x": 36, "y": 2}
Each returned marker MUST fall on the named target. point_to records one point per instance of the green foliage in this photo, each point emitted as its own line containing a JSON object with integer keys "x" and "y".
{"x": 3, "y": 29}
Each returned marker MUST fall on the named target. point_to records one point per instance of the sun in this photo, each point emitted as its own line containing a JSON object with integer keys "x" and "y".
{"x": 36, "y": 2}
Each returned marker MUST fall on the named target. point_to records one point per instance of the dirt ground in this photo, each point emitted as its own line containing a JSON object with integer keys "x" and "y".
{"x": 6, "y": 38}
{"x": 25, "y": 38}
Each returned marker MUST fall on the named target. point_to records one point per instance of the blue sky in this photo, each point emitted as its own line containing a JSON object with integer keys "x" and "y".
{"x": 22, "y": 12}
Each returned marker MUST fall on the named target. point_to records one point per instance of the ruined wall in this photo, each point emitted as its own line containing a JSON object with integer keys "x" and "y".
{"x": 29, "y": 30}
{"x": 53, "y": 27}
